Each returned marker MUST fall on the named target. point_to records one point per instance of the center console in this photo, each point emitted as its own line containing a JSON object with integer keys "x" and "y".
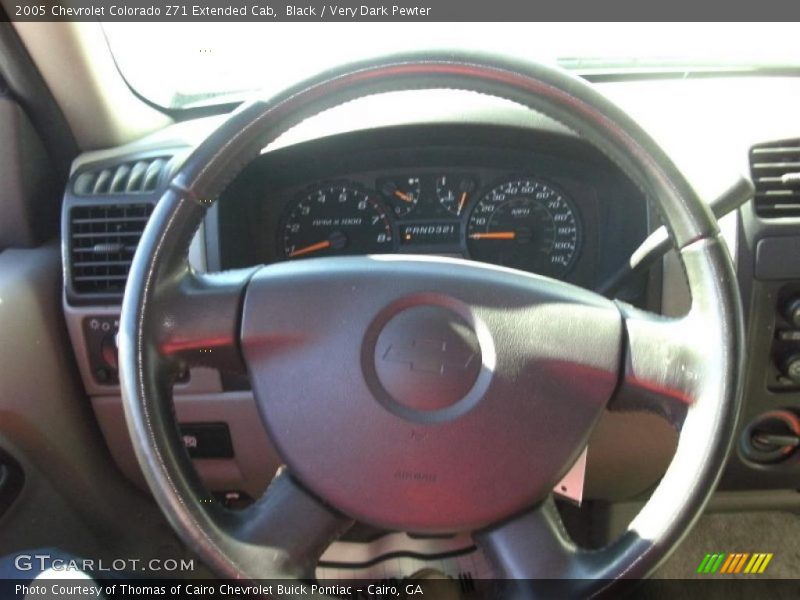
{"x": 768, "y": 452}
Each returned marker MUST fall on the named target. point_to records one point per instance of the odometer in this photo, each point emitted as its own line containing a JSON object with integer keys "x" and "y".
{"x": 525, "y": 224}
{"x": 336, "y": 219}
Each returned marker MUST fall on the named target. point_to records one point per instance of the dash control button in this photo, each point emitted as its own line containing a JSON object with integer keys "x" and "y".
{"x": 207, "y": 440}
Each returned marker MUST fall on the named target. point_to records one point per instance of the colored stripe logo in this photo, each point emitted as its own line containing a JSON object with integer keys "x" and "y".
{"x": 732, "y": 563}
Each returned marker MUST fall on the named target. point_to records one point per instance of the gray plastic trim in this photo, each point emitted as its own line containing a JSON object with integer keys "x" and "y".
{"x": 29, "y": 181}
{"x": 255, "y": 459}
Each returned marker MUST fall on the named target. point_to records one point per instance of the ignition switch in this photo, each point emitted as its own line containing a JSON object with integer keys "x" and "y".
{"x": 772, "y": 437}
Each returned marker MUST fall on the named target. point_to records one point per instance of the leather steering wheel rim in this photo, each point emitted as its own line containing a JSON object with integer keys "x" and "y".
{"x": 686, "y": 369}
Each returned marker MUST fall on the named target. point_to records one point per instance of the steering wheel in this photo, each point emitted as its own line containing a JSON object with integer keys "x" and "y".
{"x": 496, "y": 380}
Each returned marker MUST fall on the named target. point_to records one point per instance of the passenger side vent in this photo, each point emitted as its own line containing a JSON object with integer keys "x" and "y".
{"x": 102, "y": 242}
{"x": 133, "y": 177}
{"x": 775, "y": 169}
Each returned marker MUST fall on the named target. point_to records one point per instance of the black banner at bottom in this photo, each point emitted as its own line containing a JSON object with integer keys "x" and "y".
{"x": 432, "y": 589}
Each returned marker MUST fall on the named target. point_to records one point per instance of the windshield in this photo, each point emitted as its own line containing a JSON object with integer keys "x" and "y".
{"x": 190, "y": 64}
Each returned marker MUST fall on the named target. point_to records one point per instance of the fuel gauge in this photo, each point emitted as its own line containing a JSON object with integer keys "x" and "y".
{"x": 403, "y": 194}
{"x": 454, "y": 193}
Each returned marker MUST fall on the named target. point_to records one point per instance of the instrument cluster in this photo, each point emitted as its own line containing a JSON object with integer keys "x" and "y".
{"x": 532, "y": 200}
{"x": 518, "y": 221}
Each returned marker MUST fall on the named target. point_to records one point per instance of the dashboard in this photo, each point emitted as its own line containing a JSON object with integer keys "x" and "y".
{"x": 540, "y": 203}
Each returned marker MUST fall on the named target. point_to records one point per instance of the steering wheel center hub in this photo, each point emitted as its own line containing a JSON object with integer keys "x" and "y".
{"x": 426, "y": 359}
{"x": 374, "y": 388}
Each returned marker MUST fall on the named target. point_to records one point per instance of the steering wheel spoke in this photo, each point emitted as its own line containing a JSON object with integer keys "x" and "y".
{"x": 534, "y": 545}
{"x": 662, "y": 363}
{"x": 534, "y": 556}
{"x": 198, "y": 319}
{"x": 290, "y": 523}
{"x": 672, "y": 363}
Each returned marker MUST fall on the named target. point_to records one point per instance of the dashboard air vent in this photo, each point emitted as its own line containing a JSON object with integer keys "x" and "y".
{"x": 775, "y": 169}
{"x": 102, "y": 242}
{"x": 134, "y": 177}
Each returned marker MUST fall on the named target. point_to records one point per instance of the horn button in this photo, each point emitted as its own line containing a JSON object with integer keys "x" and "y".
{"x": 422, "y": 394}
{"x": 426, "y": 359}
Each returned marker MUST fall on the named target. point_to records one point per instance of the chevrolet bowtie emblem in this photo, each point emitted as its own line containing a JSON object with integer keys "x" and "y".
{"x": 430, "y": 356}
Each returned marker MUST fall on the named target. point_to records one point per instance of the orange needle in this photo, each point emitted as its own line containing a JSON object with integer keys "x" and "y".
{"x": 403, "y": 197}
{"x": 311, "y": 248}
{"x": 494, "y": 235}
{"x": 462, "y": 202}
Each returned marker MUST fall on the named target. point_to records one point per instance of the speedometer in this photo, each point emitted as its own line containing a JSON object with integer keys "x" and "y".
{"x": 525, "y": 224}
{"x": 336, "y": 219}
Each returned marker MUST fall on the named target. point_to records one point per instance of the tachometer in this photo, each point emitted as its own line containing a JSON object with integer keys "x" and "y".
{"x": 336, "y": 219}
{"x": 525, "y": 224}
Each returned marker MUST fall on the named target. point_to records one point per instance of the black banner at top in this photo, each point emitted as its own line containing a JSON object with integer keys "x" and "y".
{"x": 402, "y": 10}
